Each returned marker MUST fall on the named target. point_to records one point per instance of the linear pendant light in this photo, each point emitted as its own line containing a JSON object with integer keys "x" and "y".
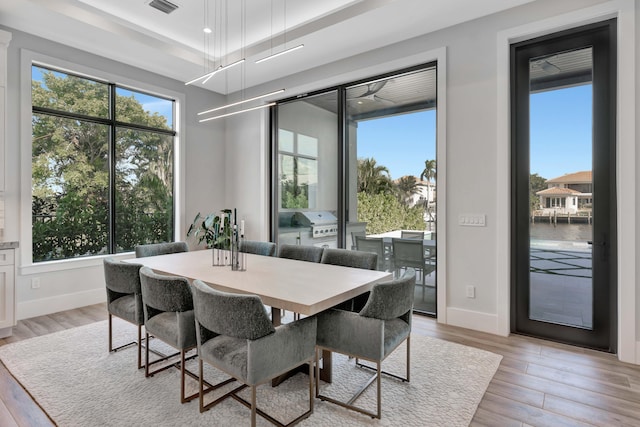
{"x": 275, "y": 55}
{"x": 241, "y": 102}
{"x": 238, "y": 112}
{"x": 212, "y": 73}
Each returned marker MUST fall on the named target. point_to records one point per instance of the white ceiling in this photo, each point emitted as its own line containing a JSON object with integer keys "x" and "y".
{"x": 175, "y": 45}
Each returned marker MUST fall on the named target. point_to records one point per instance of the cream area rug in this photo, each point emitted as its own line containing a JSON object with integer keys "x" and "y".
{"x": 71, "y": 375}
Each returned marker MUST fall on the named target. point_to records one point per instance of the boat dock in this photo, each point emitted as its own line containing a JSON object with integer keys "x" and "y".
{"x": 562, "y": 218}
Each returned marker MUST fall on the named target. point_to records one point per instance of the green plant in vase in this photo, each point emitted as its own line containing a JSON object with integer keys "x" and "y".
{"x": 214, "y": 230}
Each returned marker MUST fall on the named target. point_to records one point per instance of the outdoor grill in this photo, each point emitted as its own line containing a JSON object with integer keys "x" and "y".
{"x": 322, "y": 224}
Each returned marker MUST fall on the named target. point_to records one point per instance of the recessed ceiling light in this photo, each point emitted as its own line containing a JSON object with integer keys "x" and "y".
{"x": 207, "y": 30}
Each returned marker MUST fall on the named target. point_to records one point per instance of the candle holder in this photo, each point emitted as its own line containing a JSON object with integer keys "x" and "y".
{"x": 221, "y": 257}
{"x": 238, "y": 258}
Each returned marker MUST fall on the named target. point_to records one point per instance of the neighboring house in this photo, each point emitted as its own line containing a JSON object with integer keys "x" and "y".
{"x": 424, "y": 192}
{"x": 570, "y": 193}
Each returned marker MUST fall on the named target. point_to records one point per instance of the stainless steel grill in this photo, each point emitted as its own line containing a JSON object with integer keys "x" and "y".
{"x": 322, "y": 223}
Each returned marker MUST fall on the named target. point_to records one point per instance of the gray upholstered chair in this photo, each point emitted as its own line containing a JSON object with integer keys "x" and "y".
{"x": 355, "y": 259}
{"x": 154, "y": 249}
{"x": 409, "y": 234}
{"x": 235, "y": 335}
{"x": 347, "y": 258}
{"x": 381, "y": 326}
{"x": 124, "y": 299}
{"x": 374, "y": 245}
{"x": 169, "y": 317}
{"x": 301, "y": 252}
{"x": 258, "y": 248}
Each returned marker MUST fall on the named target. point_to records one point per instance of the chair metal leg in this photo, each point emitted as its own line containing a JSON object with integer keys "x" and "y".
{"x": 376, "y": 377}
{"x": 253, "y": 406}
{"x": 183, "y": 372}
{"x": 210, "y": 388}
{"x": 110, "y": 334}
{"x": 140, "y": 346}
{"x": 408, "y": 358}
{"x": 129, "y": 344}
{"x": 379, "y": 386}
{"x": 146, "y": 355}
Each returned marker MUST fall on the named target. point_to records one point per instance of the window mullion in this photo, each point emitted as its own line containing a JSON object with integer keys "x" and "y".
{"x": 112, "y": 169}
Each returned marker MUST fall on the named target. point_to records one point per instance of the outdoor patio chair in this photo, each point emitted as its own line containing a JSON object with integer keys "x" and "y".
{"x": 372, "y": 334}
{"x": 355, "y": 234}
{"x": 374, "y": 245}
{"x": 406, "y": 234}
{"x": 410, "y": 253}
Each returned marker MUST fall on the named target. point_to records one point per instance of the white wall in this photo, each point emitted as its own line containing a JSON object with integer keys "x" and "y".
{"x": 475, "y": 172}
{"x": 72, "y": 284}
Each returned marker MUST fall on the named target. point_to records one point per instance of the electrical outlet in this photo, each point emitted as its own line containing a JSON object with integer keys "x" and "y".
{"x": 35, "y": 283}
{"x": 471, "y": 291}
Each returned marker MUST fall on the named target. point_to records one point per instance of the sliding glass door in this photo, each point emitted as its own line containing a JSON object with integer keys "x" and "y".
{"x": 355, "y": 167}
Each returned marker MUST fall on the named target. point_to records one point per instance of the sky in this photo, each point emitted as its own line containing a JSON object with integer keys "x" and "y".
{"x": 401, "y": 143}
{"x": 560, "y": 123}
{"x": 561, "y": 128}
{"x": 151, "y": 104}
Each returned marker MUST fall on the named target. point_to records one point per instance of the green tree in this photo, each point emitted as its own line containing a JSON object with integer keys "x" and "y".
{"x": 373, "y": 178}
{"x": 383, "y": 212}
{"x": 536, "y": 183}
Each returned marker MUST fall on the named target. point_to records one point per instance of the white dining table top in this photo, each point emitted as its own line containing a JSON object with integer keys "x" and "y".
{"x": 302, "y": 287}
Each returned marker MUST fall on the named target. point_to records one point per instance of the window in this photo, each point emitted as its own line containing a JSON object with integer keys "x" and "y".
{"x": 298, "y": 170}
{"x": 102, "y": 166}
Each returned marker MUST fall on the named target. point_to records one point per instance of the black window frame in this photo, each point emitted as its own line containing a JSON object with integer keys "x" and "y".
{"x": 113, "y": 124}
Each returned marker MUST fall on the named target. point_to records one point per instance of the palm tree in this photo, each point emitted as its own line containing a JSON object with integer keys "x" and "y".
{"x": 373, "y": 178}
{"x": 406, "y": 187}
{"x": 429, "y": 171}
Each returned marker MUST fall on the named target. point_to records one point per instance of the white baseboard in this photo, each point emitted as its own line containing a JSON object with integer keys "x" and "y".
{"x": 41, "y": 307}
{"x": 475, "y": 320}
{"x": 636, "y": 359}
{"x": 5, "y": 332}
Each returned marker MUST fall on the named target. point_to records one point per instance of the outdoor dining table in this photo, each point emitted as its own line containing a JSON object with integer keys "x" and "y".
{"x": 283, "y": 284}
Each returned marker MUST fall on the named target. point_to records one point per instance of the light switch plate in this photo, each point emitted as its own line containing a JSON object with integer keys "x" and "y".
{"x": 472, "y": 220}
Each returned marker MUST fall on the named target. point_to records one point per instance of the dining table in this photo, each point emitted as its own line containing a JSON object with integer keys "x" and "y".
{"x": 301, "y": 287}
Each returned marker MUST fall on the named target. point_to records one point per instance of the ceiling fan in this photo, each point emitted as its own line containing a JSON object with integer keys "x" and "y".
{"x": 371, "y": 94}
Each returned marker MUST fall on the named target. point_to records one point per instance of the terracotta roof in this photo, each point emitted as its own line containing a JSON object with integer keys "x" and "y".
{"x": 418, "y": 181}
{"x": 576, "y": 177}
{"x": 556, "y": 191}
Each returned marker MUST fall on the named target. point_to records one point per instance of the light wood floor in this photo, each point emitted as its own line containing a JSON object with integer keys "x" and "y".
{"x": 539, "y": 383}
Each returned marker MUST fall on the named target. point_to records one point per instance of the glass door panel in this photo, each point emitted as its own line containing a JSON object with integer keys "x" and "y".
{"x": 307, "y": 162}
{"x": 392, "y": 171}
{"x": 561, "y": 186}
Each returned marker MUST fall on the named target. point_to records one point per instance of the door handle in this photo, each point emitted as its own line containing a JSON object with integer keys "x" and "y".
{"x": 602, "y": 244}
